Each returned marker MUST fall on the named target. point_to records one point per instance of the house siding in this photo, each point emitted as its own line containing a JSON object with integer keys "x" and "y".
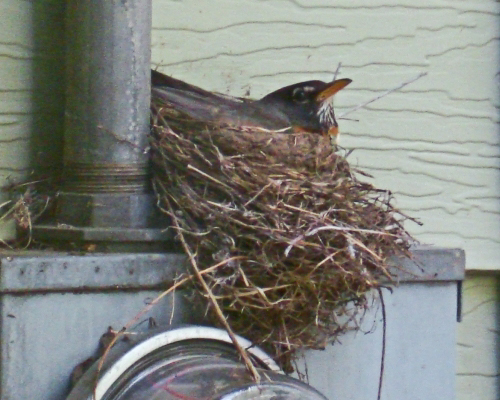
{"x": 478, "y": 345}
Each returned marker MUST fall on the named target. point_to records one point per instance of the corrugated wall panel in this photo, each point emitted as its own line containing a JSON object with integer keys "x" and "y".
{"x": 478, "y": 339}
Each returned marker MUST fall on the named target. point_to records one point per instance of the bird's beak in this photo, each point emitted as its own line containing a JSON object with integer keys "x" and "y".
{"x": 332, "y": 88}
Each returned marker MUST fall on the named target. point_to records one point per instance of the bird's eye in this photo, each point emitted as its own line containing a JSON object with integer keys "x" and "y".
{"x": 299, "y": 95}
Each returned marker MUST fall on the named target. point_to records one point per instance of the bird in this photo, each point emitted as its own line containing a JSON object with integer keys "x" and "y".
{"x": 304, "y": 107}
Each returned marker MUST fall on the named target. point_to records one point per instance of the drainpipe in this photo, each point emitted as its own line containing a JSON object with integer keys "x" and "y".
{"x": 105, "y": 195}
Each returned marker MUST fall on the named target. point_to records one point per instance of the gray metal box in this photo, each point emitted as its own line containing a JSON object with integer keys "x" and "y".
{"x": 55, "y": 307}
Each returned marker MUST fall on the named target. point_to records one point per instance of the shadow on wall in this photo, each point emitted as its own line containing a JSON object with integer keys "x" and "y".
{"x": 48, "y": 86}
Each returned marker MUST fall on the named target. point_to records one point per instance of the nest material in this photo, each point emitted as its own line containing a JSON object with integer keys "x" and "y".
{"x": 303, "y": 239}
{"x": 28, "y": 202}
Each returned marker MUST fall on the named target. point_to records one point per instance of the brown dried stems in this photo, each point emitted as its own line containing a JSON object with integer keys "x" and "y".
{"x": 310, "y": 238}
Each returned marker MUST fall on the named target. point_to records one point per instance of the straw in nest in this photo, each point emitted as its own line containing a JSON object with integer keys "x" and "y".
{"x": 299, "y": 239}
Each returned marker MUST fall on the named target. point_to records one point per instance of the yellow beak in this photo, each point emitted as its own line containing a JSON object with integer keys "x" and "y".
{"x": 332, "y": 88}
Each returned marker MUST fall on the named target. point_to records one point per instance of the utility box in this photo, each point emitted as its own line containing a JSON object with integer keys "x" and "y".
{"x": 55, "y": 307}
{"x": 417, "y": 354}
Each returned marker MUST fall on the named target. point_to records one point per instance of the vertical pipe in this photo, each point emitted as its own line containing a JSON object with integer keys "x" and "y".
{"x": 104, "y": 195}
{"x": 108, "y": 95}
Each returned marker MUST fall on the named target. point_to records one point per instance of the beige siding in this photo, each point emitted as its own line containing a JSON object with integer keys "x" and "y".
{"x": 478, "y": 339}
{"x": 435, "y": 144}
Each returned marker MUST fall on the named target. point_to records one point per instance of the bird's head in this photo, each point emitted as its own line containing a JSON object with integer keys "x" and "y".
{"x": 308, "y": 105}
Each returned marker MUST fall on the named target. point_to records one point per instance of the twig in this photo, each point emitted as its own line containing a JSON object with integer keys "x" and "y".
{"x": 207, "y": 176}
{"x": 346, "y": 229}
{"x": 30, "y": 226}
{"x": 155, "y": 301}
{"x": 172, "y": 312}
{"x": 336, "y": 72}
{"x": 128, "y": 325}
{"x": 402, "y": 85}
{"x": 9, "y": 211}
{"x": 382, "y": 359}
{"x": 246, "y": 359}
{"x": 258, "y": 194}
{"x": 4, "y": 243}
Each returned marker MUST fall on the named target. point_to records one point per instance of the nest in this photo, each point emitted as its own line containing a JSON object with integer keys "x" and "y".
{"x": 298, "y": 239}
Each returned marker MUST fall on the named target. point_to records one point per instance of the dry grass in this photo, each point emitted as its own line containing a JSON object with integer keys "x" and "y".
{"x": 308, "y": 239}
{"x": 28, "y": 202}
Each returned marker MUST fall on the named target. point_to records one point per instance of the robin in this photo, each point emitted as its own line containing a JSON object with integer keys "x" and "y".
{"x": 303, "y": 107}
